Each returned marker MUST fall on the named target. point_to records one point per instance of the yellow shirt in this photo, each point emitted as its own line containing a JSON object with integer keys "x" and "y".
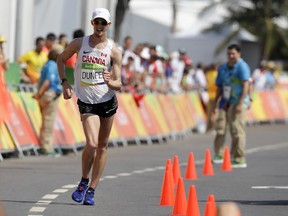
{"x": 34, "y": 63}
{"x": 211, "y": 83}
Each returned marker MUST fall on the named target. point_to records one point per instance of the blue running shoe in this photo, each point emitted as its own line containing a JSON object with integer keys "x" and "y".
{"x": 78, "y": 194}
{"x": 89, "y": 197}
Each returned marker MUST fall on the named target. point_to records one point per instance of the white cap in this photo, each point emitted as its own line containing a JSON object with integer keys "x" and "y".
{"x": 101, "y": 13}
{"x": 145, "y": 53}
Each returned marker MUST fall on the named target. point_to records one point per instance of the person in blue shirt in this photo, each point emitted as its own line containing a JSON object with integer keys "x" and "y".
{"x": 233, "y": 86}
{"x": 49, "y": 90}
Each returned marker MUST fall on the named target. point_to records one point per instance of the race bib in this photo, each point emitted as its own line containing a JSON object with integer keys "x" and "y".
{"x": 92, "y": 74}
{"x": 226, "y": 92}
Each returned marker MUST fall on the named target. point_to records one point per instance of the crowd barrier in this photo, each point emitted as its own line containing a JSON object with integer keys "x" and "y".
{"x": 157, "y": 118}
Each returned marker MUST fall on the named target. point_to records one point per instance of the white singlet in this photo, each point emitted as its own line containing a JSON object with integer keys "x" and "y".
{"x": 89, "y": 85}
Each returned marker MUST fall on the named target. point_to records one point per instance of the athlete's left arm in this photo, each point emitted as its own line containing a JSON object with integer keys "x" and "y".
{"x": 113, "y": 78}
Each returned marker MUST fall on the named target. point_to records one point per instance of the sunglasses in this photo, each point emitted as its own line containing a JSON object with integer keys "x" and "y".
{"x": 100, "y": 22}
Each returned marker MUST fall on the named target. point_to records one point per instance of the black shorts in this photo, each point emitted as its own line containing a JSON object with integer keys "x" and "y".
{"x": 104, "y": 110}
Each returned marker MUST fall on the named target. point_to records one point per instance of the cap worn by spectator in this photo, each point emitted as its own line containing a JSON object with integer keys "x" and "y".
{"x": 145, "y": 53}
{"x": 182, "y": 51}
{"x": 102, "y": 13}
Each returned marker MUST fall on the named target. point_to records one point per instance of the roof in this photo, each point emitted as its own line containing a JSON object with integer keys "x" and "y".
{"x": 188, "y": 22}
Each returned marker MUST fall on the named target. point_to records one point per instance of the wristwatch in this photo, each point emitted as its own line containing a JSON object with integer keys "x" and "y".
{"x": 63, "y": 80}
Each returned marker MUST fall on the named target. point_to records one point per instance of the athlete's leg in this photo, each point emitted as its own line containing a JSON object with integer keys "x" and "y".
{"x": 91, "y": 125}
{"x": 101, "y": 155}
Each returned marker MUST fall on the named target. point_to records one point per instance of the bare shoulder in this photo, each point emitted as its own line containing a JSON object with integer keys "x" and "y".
{"x": 76, "y": 44}
{"x": 73, "y": 47}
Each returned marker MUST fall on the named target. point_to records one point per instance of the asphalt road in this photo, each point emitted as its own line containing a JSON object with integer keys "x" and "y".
{"x": 133, "y": 176}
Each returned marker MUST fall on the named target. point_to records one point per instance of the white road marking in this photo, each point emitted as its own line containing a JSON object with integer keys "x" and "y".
{"x": 110, "y": 177}
{"x": 270, "y": 187}
{"x": 60, "y": 191}
{"x": 69, "y": 186}
{"x": 37, "y": 209}
{"x": 43, "y": 202}
{"x": 35, "y": 215}
{"x": 50, "y": 196}
{"x": 124, "y": 174}
{"x": 281, "y": 187}
{"x": 160, "y": 168}
{"x": 149, "y": 169}
{"x": 259, "y": 187}
{"x": 268, "y": 147}
{"x": 138, "y": 171}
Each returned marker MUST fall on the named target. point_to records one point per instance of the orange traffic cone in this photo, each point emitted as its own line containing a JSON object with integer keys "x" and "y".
{"x": 180, "y": 204}
{"x": 171, "y": 180}
{"x": 211, "y": 199}
{"x": 192, "y": 206}
{"x": 176, "y": 169}
{"x": 191, "y": 170}
{"x": 209, "y": 211}
{"x": 170, "y": 169}
{"x": 226, "y": 165}
{"x": 208, "y": 167}
{"x": 167, "y": 197}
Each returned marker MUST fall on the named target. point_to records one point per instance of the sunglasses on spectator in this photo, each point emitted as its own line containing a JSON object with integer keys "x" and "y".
{"x": 100, "y": 22}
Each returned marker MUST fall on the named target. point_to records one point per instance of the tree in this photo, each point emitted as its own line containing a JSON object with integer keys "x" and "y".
{"x": 260, "y": 18}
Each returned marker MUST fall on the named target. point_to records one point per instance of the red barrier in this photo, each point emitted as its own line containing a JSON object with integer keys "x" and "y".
{"x": 170, "y": 113}
{"x": 196, "y": 108}
{"x": 67, "y": 128}
{"x": 273, "y": 107}
{"x": 157, "y": 114}
{"x": 152, "y": 118}
{"x": 18, "y": 122}
{"x": 123, "y": 122}
{"x": 6, "y": 141}
{"x": 4, "y": 111}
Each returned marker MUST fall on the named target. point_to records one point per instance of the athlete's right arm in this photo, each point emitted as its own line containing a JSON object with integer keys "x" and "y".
{"x": 69, "y": 51}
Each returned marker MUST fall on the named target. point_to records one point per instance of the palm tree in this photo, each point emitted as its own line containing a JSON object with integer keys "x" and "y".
{"x": 261, "y": 18}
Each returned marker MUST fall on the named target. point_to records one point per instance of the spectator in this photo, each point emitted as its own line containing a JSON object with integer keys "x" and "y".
{"x": 50, "y": 41}
{"x": 178, "y": 63}
{"x": 233, "y": 86}
{"x": 201, "y": 85}
{"x": 127, "y": 75}
{"x": 138, "y": 67}
{"x": 127, "y": 49}
{"x": 270, "y": 79}
{"x": 63, "y": 40}
{"x": 258, "y": 76}
{"x": 49, "y": 90}
{"x": 4, "y": 62}
{"x": 188, "y": 83}
{"x": 155, "y": 78}
{"x": 32, "y": 62}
